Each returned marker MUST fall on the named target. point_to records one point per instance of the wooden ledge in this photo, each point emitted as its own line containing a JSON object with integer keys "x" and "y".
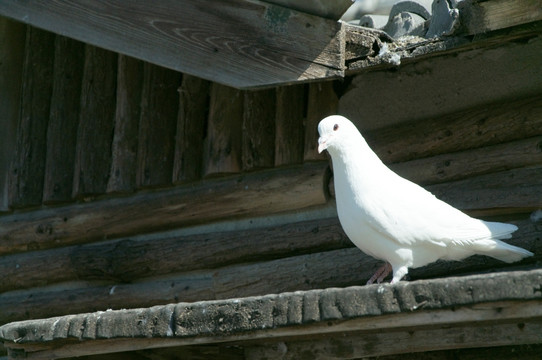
{"x": 438, "y": 309}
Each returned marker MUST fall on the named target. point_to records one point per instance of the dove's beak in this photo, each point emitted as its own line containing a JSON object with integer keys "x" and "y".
{"x": 322, "y": 144}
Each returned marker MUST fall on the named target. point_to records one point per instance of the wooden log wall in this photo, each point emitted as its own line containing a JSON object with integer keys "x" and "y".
{"x": 134, "y": 157}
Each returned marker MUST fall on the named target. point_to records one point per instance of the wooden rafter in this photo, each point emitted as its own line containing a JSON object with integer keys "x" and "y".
{"x": 241, "y": 43}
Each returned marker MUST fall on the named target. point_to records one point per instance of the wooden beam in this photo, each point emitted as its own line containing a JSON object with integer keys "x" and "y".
{"x": 377, "y": 344}
{"x": 259, "y": 193}
{"x": 289, "y": 128}
{"x": 127, "y": 114}
{"x": 322, "y": 101}
{"x": 258, "y": 149}
{"x": 335, "y": 265}
{"x": 486, "y": 125}
{"x": 380, "y": 98}
{"x": 191, "y": 124}
{"x": 241, "y": 43}
{"x": 63, "y": 120}
{"x": 223, "y": 141}
{"x": 426, "y": 315}
{"x": 468, "y": 163}
{"x": 96, "y": 123}
{"x": 12, "y": 38}
{"x": 127, "y": 260}
{"x": 28, "y": 167}
{"x": 157, "y": 127}
{"x": 481, "y": 16}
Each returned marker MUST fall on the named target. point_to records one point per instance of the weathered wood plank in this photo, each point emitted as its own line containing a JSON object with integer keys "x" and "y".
{"x": 258, "y": 149}
{"x": 468, "y": 163}
{"x": 508, "y": 191}
{"x": 63, "y": 120}
{"x": 478, "y": 16}
{"x": 223, "y": 143}
{"x": 377, "y": 344}
{"x": 289, "y": 128}
{"x": 127, "y": 114}
{"x": 258, "y": 193}
{"x": 322, "y": 101}
{"x": 26, "y": 178}
{"x": 191, "y": 124}
{"x": 335, "y": 268}
{"x": 376, "y": 99}
{"x": 157, "y": 127}
{"x": 12, "y": 38}
{"x": 96, "y": 122}
{"x": 128, "y": 260}
{"x": 490, "y": 124}
{"x": 242, "y": 43}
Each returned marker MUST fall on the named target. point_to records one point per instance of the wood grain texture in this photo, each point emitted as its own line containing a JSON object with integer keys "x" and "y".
{"x": 128, "y": 260}
{"x": 223, "y": 142}
{"x": 127, "y": 115}
{"x": 258, "y": 193}
{"x": 322, "y": 101}
{"x": 157, "y": 127}
{"x": 96, "y": 122}
{"x": 12, "y": 38}
{"x": 191, "y": 126}
{"x": 289, "y": 127}
{"x": 489, "y": 124}
{"x": 26, "y": 178}
{"x": 431, "y": 89}
{"x": 469, "y": 163}
{"x": 63, "y": 120}
{"x": 333, "y": 268}
{"x": 259, "y": 129}
{"x": 478, "y": 17}
{"x": 242, "y": 43}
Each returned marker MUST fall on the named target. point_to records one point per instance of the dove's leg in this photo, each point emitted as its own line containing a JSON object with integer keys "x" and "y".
{"x": 399, "y": 273}
{"x": 380, "y": 274}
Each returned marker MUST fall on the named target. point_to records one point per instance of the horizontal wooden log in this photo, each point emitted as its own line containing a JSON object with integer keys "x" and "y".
{"x": 478, "y": 17}
{"x": 404, "y": 341}
{"x": 242, "y": 43}
{"x": 469, "y": 163}
{"x": 508, "y": 191}
{"x": 377, "y": 99}
{"x": 335, "y": 268}
{"x": 258, "y": 193}
{"x": 128, "y": 260}
{"x": 490, "y": 124}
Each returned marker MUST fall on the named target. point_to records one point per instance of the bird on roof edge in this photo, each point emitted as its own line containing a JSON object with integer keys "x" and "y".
{"x": 393, "y": 219}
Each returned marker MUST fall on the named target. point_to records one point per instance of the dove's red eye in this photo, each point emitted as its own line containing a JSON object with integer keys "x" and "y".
{"x": 335, "y": 127}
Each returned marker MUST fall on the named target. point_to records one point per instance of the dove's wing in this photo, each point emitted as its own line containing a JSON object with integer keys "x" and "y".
{"x": 411, "y": 215}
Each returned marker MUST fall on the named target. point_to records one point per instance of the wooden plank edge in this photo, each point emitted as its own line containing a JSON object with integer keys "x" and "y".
{"x": 253, "y": 194}
{"x": 445, "y": 302}
{"x": 170, "y": 42}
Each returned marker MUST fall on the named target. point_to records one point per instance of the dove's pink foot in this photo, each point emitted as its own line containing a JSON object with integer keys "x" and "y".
{"x": 380, "y": 274}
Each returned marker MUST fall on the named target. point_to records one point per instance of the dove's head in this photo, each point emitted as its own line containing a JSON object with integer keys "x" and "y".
{"x": 337, "y": 133}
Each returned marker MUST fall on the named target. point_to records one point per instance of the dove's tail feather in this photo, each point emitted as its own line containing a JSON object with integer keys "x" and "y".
{"x": 501, "y": 251}
{"x": 500, "y": 230}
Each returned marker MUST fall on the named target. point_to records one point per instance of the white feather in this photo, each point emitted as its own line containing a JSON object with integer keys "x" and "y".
{"x": 393, "y": 219}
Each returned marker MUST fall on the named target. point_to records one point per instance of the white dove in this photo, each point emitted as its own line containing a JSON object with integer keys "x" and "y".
{"x": 395, "y": 220}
